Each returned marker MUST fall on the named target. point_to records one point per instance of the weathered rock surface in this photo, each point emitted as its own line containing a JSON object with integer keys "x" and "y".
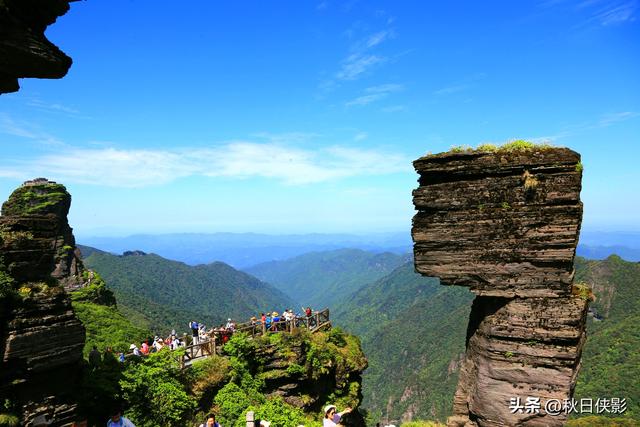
{"x": 37, "y": 241}
{"x": 24, "y": 49}
{"x": 502, "y": 224}
{"x": 288, "y": 372}
{"x": 41, "y": 339}
{"x": 506, "y": 224}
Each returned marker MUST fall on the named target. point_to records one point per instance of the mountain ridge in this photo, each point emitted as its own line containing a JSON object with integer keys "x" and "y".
{"x": 173, "y": 293}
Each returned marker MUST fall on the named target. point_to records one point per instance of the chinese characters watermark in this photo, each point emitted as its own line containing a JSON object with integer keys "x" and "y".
{"x": 534, "y": 405}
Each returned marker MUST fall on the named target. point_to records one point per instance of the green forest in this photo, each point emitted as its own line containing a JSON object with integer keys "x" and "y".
{"x": 408, "y": 325}
{"x": 317, "y": 278}
{"x": 156, "y": 391}
{"x": 161, "y": 295}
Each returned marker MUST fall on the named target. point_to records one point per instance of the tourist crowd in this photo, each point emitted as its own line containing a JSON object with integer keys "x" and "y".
{"x": 267, "y": 322}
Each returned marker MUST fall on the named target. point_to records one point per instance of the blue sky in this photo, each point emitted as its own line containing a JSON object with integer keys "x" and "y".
{"x": 296, "y": 116}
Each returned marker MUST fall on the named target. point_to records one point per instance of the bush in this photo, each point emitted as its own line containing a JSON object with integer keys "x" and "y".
{"x": 279, "y": 413}
{"x": 155, "y": 390}
{"x": 231, "y": 403}
{"x": 598, "y": 421}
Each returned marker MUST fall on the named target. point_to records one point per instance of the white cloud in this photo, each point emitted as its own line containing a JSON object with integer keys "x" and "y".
{"x": 234, "y": 160}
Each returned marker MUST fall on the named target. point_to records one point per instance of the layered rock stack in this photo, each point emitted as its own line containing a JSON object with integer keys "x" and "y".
{"x": 41, "y": 339}
{"x": 24, "y": 49}
{"x": 505, "y": 223}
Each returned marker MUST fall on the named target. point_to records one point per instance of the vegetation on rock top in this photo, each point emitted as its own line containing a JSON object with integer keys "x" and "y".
{"x": 37, "y": 200}
{"x": 516, "y": 145}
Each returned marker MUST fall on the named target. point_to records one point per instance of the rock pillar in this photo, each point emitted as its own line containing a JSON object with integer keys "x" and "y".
{"x": 505, "y": 224}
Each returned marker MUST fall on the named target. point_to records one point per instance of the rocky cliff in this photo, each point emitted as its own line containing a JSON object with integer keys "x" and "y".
{"x": 505, "y": 223}
{"x": 24, "y": 49}
{"x": 41, "y": 339}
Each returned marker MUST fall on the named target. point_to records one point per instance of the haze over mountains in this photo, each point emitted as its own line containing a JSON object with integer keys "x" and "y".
{"x": 244, "y": 250}
{"x": 320, "y": 278}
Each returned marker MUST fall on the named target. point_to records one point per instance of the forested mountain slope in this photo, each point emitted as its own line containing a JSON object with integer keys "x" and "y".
{"x": 321, "y": 279}
{"x": 413, "y": 333}
{"x": 162, "y": 294}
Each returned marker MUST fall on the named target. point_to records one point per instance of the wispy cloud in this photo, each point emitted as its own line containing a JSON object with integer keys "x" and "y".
{"x": 612, "y": 13}
{"x": 379, "y": 37}
{"x": 604, "y": 121}
{"x": 26, "y": 130}
{"x": 447, "y": 90}
{"x": 357, "y": 64}
{"x": 360, "y": 136}
{"x": 596, "y": 13}
{"x": 394, "y": 108}
{"x": 286, "y": 137}
{"x": 375, "y": 93}
{"x": 364, "y": 53}
{"x": 460, "y": 86}
{"x": 613, "y": 118}
{"x": 235, "y": 160}
{"x": 52, "y": 107}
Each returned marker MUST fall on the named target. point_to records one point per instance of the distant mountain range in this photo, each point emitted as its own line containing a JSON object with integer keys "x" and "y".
{"x": 160, "y": 294}
{"x": 242, "y": 250}
{"x": 601, "y": 244}
{"x": 322, "y": 279}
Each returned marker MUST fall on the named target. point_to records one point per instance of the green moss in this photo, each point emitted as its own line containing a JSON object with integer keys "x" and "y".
{"x": 460, "y": 148}
{"x": 30, "y": 200}
{"x": 579, "y": 167}
{"x": 295, "y": 369}
{"x": 15, "y": 237}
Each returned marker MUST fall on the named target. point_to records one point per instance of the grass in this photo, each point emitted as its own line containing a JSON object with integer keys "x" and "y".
{"x": 419, "y": 423}
{"x": 583, "y": 291}
{"x": 530, "y": 182}
{"x": 508, "y": 147}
